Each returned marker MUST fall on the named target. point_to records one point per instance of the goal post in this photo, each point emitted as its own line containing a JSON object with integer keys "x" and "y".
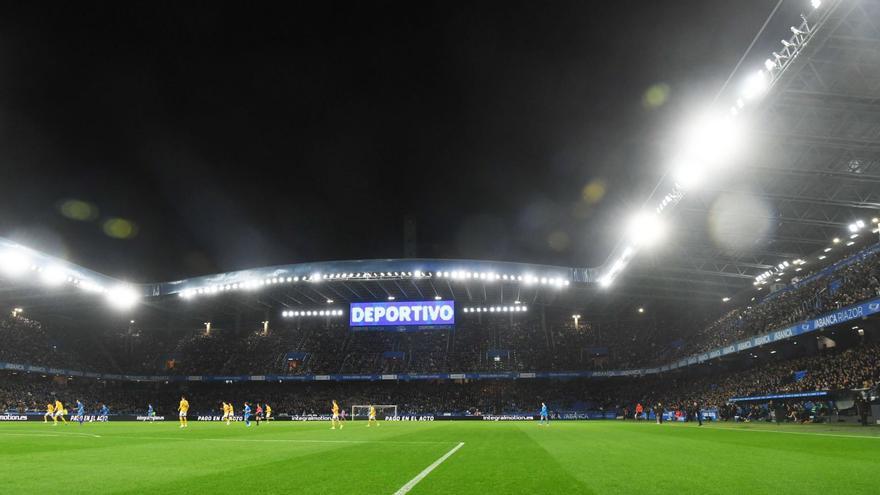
{"x": 383, "y": 411}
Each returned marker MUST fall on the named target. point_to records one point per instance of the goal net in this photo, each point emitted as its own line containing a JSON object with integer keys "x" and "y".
{"x": 383, "y": 411}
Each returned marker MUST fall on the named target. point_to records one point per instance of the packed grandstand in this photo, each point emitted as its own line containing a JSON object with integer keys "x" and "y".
{"x": 803, "y": 352}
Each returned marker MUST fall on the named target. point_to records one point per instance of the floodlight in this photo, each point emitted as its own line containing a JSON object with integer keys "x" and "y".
{"x": 797, "y": 32}
{"x": 122, "y": 296}
{"x": 787, "y": 44}
{"x": 329, "y": 301}
{"x": 437, "y": 298}
{"x": 53, "y": 275}
{"x": 391, "y": 298}
{"x": 686, "y": 173}
{"x": 605, "y": 281}
{"x": 755, "y": 85}
{"x": 725, "y": 299}
{"x": 769, "y": 64}
{"x": 835, "y": 240}
{"x": 816, "y": 3}
{"x": 645, "y": 229}
{"x": 14, "y": 262}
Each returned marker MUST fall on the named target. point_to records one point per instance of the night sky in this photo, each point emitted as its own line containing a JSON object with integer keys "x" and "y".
{"x": 229, "y": 138}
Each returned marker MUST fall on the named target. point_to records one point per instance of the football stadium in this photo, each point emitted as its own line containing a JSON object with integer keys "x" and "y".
{"x": 203, "y": 287}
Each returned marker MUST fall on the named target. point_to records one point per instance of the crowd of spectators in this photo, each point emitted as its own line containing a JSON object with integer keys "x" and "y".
{"x": 539, "y": 340}
{"x": 830, "y": 370}
{"x": 814, "y": 296}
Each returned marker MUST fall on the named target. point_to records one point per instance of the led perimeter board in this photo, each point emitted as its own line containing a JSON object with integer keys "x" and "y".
{"x": 394, "y": 314}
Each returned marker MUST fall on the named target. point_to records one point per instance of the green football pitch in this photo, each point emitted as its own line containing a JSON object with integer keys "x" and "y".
{"x": 443, "y": 457}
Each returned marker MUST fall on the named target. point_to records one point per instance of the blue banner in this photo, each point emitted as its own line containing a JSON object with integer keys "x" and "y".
{"x": 396, "y": 314}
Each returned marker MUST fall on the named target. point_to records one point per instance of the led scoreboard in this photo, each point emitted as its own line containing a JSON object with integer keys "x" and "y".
{"x": 393, "y": 314}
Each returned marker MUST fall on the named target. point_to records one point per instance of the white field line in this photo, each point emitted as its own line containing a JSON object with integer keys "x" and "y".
{"x": 413, "y": 482}
{"x": 795, "y": 432}
{"x": 271, "y": 440}
{"x": 56, "y": 434}
{"x": 302, "y": 440}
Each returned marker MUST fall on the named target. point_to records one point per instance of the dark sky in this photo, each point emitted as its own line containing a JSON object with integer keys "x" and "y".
{"x": 245, "y": 135}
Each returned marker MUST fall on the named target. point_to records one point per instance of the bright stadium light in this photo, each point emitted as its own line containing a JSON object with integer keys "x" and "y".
{"x": 53, "y": 275}
{"x": 122, "y": 296}
{"x": 646, "y": 229}
{"x": 14, "y": 262}
{"x": 816, "y": 3}
{"x": 687, "y": 173}
{"x": 755, "y": 85}
{"x": 712, "y": 138}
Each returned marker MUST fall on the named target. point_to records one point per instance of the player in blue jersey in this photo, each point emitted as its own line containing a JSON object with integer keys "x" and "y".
{"x": 545, "y": 418}
{"x": 247, "y": 414}
{"x": 105, "y": 411}
{"x": 80, "y": 411}
{"x": 151, "y": 414}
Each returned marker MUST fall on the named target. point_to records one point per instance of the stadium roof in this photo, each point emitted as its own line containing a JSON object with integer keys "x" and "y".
{"x": 810, "y": 172}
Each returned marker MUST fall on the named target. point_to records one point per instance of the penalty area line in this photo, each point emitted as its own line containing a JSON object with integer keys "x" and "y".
{"x": 425, "y": 472}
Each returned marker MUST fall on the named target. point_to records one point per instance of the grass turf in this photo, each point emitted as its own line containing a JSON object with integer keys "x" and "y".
{"x": 498, "y": 457}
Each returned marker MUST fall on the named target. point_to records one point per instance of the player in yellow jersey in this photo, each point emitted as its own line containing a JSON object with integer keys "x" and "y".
{"x": 231, "y": 415}
{"x": 183, "y": 408}
{"x": 225, "y": 409}
{"x": 59, "y": 413}
{"x": 268, "y": 412}
{"x": 371, "y": 419}
{"x": 335, "y": 421}
{"x": 50, "y": 409}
